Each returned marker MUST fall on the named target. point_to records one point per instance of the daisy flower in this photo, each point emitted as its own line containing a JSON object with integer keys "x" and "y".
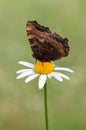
{"x": 43, "y": 70}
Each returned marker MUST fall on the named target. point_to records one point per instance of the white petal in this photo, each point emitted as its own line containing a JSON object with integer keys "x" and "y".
{"x": 27, "y": 64}
{"x": 50, "y": 75}
{"x": 64, "y": 76}
{"x": 64, "y": 69}
{"x": 31, "y": 77}
{"x": 56, "y": 75}
{"x": 26, "y": 73}
{"x": 21, "y": 70}
{"x": 42, "y": 81}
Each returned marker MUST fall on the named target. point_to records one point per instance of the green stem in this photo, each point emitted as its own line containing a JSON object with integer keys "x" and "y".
{"x": 45, "y": 106}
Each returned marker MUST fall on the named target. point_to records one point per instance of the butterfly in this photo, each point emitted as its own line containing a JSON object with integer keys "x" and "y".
{"x": 46, "y": 46}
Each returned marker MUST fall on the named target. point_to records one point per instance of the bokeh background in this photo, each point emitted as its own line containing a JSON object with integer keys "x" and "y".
{"x": 22, "y": 105}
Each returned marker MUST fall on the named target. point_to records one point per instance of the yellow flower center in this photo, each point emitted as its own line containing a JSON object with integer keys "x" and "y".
{"x": 43, "y": 67}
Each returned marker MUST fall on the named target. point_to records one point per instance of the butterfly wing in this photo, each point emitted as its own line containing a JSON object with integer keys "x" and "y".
{"x": 46, "y": 46}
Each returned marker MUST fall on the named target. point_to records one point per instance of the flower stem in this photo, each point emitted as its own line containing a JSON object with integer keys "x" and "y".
{"x": 45, "y": 106}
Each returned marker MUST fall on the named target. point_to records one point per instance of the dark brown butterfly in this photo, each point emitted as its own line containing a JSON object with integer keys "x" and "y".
{"x": 46, "y": 46}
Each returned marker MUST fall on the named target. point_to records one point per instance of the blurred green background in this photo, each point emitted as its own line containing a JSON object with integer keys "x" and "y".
{"x": 22, "y": 105}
